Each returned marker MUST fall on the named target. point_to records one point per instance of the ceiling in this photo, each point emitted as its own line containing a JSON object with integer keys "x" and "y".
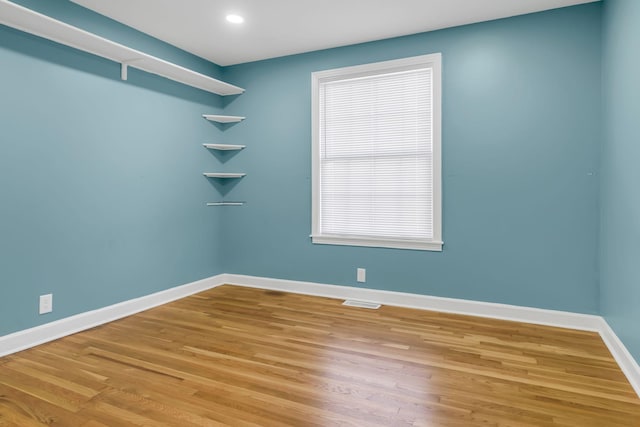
{"x": 274, "y": 28}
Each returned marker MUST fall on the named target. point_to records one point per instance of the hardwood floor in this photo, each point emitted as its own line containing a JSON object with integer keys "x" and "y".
{"x": 248, "y": 357}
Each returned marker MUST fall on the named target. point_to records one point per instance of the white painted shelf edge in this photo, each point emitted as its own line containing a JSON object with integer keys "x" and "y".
{"x": 224, "y": 147}
{"x": 224, "y": 174}
{"x": 223, "y": 119}
{"x": 27, "y": 20}
{"x": 225, "y": 204}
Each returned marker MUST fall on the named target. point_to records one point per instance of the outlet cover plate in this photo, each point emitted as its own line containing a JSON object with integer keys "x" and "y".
{"x": 46, "y": 303}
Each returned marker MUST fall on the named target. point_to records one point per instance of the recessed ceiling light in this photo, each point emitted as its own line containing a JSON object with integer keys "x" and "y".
{"x": 235, "y": 19}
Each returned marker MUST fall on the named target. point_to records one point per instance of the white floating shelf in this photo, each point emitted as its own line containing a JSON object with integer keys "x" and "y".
{"x": 223, "y": 175}
{"x": 225, "y": 204}
{"x": 223, "y": 119}
{"x": 32, "y": 22}
{"x": 224, "y": 147}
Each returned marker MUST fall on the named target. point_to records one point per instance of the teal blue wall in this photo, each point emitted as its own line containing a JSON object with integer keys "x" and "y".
{"x": 620, "y": 226}
{"x": 521, "y": 140}
{"x": 102, "y": 195}
{"x": 101, "y": 192}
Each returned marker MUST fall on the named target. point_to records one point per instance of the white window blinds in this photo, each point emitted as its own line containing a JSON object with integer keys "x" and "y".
{"x": 376, "y": 169}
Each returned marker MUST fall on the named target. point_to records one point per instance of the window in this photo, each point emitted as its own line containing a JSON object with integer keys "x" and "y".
{"x": 376, "y": 155}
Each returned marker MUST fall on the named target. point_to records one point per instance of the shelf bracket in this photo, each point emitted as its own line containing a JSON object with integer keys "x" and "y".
{"x": 124, "y": 68}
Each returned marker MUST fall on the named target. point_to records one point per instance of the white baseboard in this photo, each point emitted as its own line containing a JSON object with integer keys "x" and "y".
{"x": 32, "y": 337}
{"x": 48, "y": 332}
{"x": 625, "y": 360}
{"x": 585, "y": 322}
{"x": 562, "y": 319}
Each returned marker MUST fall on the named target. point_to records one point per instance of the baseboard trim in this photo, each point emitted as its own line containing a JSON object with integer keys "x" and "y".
{"x": 620, "y": 353}
{"x": 32, "y": 337}
{"x": 538, "y": 316}
{"x": 562, "y": 319}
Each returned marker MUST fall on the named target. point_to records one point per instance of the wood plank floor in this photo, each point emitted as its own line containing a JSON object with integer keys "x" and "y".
{"x": 247, "y": 357}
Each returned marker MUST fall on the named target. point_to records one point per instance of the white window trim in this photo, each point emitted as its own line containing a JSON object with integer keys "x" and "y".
{"x": 433, "y": 61}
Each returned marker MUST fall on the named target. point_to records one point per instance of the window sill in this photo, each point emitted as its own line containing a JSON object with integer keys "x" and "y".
{"x": 378, "y": 243}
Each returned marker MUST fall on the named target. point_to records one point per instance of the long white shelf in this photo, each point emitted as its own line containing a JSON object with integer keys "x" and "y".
{"x": 225, "y": 204}
{"x": 24, "y": 19}
{"x": 224, "y": 147}
{"x": 224, "y": 175}
{"x": 223, "y": 119}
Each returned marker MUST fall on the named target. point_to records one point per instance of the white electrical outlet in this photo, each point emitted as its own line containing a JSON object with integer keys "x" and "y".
{"x": 361, "y": 275}
{"x": 46, "y": 303}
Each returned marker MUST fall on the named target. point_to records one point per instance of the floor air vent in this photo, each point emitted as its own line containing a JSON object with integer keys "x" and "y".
{"x": 361, "y": 304}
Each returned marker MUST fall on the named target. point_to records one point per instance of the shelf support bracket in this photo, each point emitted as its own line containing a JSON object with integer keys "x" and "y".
{"x": 124, "y": 68}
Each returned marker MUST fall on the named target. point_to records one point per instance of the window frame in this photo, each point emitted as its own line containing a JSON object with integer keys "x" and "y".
{"x": 433, "y": 61}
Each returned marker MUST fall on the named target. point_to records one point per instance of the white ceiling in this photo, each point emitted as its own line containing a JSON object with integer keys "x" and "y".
{"x": 275, "y": 28}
